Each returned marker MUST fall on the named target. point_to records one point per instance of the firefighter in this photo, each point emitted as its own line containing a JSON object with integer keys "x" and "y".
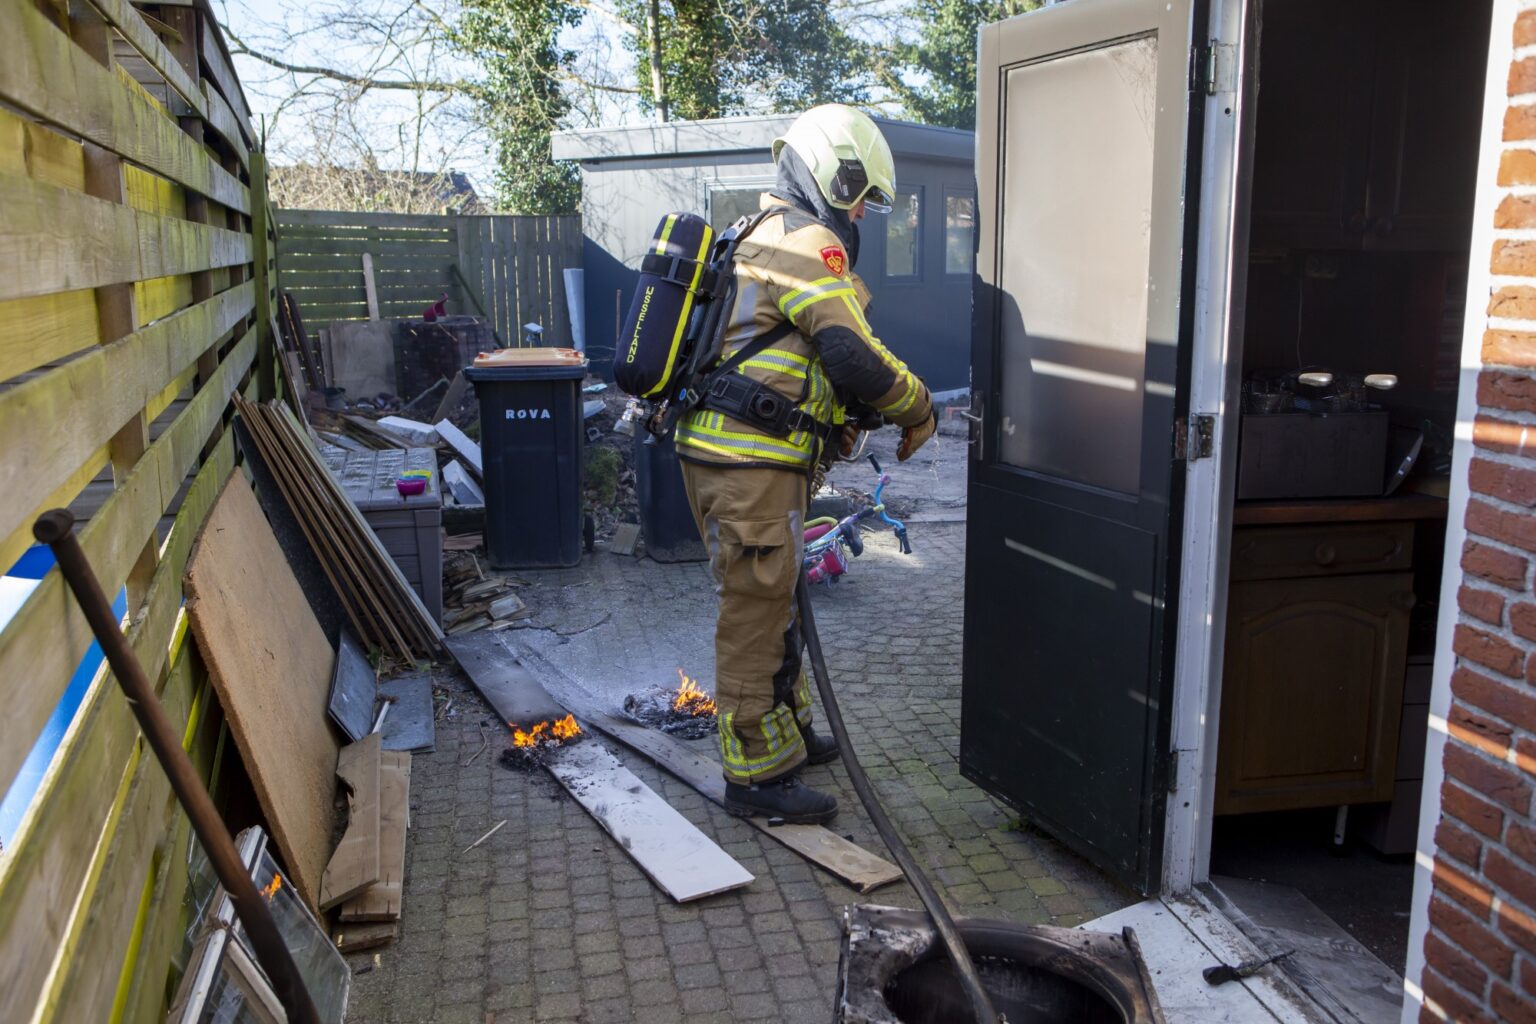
{"x": 751, "y": 448}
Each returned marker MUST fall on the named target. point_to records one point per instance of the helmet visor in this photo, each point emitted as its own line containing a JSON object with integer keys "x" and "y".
{"x": 878, "y": 201}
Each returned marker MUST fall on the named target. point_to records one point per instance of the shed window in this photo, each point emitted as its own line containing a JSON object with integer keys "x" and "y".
{"x": 904, "y": 235}
{"x": 959, "y": 234}
{"x": 727, "y": 204}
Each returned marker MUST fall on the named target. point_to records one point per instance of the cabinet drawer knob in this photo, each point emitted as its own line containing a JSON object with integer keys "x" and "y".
{"x": 1326, "y": 554}
{"x": 1405, "y": 599}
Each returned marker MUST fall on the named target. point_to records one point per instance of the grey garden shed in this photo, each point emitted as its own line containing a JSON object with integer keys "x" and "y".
{"x": 917, "y": 260}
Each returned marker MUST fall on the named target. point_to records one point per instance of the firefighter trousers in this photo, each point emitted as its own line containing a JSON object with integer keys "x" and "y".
{"x": 751, "y": 520}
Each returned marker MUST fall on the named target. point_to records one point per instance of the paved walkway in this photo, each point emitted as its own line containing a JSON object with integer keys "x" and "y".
{"x": 549, "y": 920}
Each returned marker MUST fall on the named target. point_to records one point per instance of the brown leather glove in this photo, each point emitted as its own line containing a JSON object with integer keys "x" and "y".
{"x": 912, "y": 438}
{"x": 849, "y": 440}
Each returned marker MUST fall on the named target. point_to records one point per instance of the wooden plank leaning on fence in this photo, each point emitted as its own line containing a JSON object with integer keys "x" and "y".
{"x": 127, "y": 260}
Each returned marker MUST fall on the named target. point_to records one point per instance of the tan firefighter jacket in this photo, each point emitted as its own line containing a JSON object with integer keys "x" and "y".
{"x": 793, "y": 267}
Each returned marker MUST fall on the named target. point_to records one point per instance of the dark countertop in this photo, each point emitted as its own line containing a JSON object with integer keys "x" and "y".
{"x": 1339, "y": 510}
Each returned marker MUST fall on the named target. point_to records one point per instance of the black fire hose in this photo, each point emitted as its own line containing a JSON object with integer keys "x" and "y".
{"x": 942, "y": 922}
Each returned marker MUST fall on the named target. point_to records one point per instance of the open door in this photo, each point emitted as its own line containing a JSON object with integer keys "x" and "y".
{"x": 1086, "y": 161}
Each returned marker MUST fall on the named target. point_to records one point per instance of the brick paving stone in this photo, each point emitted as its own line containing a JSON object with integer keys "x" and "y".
{"x": 648, "y": 968}
{"x": 605, "y": 941}
{"x": 705, "y": 975}
{"x": 552, "y": 921}
{"x": 705, "y": 1000}
{"x": 559, "y": 1006}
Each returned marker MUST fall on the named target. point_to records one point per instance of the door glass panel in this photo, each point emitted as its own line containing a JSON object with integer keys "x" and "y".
{"x": 1075, "y": 233}
{"x": 903, "y": 235}
{"x": 959, "y": 234}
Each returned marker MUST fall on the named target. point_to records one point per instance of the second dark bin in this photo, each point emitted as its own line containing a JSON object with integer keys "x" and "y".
{"x": 666, "y": 519}
{"x": 531, "y": 450}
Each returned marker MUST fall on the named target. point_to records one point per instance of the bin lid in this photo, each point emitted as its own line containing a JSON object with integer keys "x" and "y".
{"x": 369, "y": 477}
{"x": 528, "y": 364}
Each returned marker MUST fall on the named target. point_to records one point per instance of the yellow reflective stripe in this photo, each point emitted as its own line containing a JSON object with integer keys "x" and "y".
{"x": 777, "y": 363}
{"x": 905, "y": 402}
{"x": 756, "y": 440}
{"x": 682, "y": 320}
{"x": 781, "y": 747}
{"x": 757, "y": 446}
{"x": 666, "y": 233}
{"x": 817, "y": 285}
{"x": 796, "y": 303}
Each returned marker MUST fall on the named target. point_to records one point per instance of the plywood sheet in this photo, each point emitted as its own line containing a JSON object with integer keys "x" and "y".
{"x": 668, "y": 847}
{"x": 271, "y": 666}
{"x": 355, "y": 864}
{"x": 381, "y": 900}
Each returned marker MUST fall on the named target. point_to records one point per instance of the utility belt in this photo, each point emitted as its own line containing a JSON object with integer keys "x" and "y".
{"x": 754, "y": 403}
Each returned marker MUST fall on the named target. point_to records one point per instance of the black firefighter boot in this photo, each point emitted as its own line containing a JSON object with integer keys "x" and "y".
{"x": 819, "y": 749}
{"x": 787, "y": 799}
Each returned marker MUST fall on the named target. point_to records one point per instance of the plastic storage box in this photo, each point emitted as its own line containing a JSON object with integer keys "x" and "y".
{"x": 531, "y": 450}
{"x": 666, "y": 519}
{"x": 411, "y": 529}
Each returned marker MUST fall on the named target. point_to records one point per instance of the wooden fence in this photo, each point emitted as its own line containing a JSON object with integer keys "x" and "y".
{"x": 506, "y": 269}
{"x": 135, "y": 297}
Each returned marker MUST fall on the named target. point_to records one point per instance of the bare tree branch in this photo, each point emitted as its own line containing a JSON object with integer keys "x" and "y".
{"x": 363, "y": 81}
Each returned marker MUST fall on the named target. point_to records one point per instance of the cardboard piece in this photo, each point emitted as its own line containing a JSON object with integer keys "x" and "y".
{"x": 381, "y": 900}
{"x": 270, "y": 664}
{"x": 355, "y": 864}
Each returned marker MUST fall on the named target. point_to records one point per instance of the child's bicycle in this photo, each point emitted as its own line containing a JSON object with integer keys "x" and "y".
{"x": 826, "y": 537}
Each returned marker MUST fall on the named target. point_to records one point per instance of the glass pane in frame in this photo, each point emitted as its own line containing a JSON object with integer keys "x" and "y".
{"x": 1075, "y": 251}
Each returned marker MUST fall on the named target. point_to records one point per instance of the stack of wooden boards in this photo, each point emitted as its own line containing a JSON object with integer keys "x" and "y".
{"x": 381, "y": 606}
{"x": 271, "y": 665}
{"x": 473, "y": 600}
{"x": 302, "y": 360}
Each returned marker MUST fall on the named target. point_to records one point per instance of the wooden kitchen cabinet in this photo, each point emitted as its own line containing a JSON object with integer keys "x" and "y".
{"x": 1368, "y": 114}
{"x": 1426, "y": 124}
{"x": 1312, "y": 682}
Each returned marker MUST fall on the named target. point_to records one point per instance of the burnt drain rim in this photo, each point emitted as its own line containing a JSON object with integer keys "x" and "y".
{"x": 1107, "y": 964}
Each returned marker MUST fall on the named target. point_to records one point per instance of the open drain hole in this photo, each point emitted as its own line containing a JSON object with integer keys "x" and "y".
{"x": 930, "y": 992}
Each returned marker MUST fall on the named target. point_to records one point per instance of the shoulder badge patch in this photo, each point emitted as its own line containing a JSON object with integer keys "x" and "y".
{"x": 833, "y": 257}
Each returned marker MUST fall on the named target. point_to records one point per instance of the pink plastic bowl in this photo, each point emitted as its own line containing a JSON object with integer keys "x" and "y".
{"x": 408, "y": 486}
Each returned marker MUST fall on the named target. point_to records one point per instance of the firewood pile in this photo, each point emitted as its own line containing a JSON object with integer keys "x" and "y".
{"x": 474, "y": 599}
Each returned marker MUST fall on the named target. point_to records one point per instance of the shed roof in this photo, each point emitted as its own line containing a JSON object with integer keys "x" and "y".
{"x": 741, "y": 134}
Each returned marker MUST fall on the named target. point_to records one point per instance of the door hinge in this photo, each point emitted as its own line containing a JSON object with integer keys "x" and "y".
{"x": 1193, "y": 438}
{"x": 1202, "y": 68}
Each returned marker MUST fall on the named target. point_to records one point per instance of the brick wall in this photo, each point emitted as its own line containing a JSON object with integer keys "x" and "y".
{"x": 1480, "y": 947}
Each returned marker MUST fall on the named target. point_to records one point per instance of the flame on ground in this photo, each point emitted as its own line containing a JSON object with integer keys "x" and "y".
{"x": 545, "y": 733}
{"x": 271, "y": 890}
{"x": 690, "y": 699}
